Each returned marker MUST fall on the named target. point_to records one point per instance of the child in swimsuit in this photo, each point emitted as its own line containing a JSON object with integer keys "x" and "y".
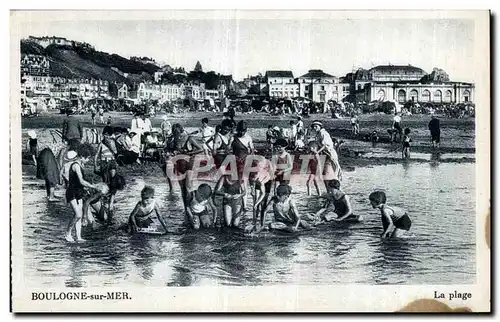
{"x": 232, "y": 193}
{"x": 261, "y": 183}
{"x": 406, "y": 144}
{"x": 283, "y": 163}
{"x": 394, "y": 219}
{"x": 337, "y": 207}
{"x": 198, "y": 203}
{"x": 142, "y": 216}
{"x": 102, "y": 202}
{"x": 354, "y": 124}
{"x": 286, "y": 215}
{"x": 313, "y": 169}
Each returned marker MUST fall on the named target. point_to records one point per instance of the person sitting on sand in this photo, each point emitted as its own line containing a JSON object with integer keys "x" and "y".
{"x": 286, "y": 214}
{"x": 198, "y": 203}
{"x": 145, "y": 212}
{"x": 232, "y": 193}
{"x": 395, "y": 220}
{"x": 337, "y": 207}
{"x": 102, "y": 201}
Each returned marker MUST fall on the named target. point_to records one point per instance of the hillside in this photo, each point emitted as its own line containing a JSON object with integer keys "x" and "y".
{"x": 82, "y": 62}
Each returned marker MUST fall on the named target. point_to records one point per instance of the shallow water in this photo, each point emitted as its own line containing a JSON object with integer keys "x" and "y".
{"x": 440, "y": 199}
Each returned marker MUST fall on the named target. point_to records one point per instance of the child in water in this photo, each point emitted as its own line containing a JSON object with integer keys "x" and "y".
{"x": 283, "y": 163}
{"x": 394, "y": 219}
{"x": 337, "y": 207}
{"x": 286, "y": 215}
{"x": 406, "y": 144}
{"x": 102, "y": 202}
{"x": 232, "y": 193}
{"x": 142, "y": 216}
{"x": 313, "y": 169}
{"x": 198, "y": 202}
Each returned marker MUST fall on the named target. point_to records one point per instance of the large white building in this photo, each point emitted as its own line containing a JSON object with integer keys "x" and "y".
{"x": 319, "y": 86}
{"x": 404, "y": 83}
{"x": 402, "y": 92}
{"x": 396, "y": 73}
{"x": 280, "y": 83}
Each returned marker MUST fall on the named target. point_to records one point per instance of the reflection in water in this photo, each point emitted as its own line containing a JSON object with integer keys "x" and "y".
{"x": 406, "y": 167}
{"x": 435, "y": 159}
{"x": 331, "y": 253}
{"x": 75, "y": 268}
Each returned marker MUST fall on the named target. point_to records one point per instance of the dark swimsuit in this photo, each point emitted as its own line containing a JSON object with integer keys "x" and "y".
{"x": 341, "y": 207}
{"x": 404, "y": 222}
{"x": 33, "y": 143}
{"x": 220, "y": 156}
{"x": 281, "y": 178}
{"x": 241, "y": 152}
{"x": 75, "y": 189}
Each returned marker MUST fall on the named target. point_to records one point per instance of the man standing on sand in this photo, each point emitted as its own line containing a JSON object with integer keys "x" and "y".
{"x": 435, "y": 130}
{"x": 72, "y": 128}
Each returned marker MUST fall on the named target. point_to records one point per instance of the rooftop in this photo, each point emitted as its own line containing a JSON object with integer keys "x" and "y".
{"x": 315, "y": 73}
{"x": 279, "y": 73}
{"x": 388, "y": 68}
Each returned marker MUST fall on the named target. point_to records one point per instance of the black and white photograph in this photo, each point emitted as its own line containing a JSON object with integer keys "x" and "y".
{"x": 178, "y": 151}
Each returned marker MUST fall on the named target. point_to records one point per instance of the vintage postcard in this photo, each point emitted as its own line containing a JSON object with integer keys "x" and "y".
{"x": 250, "y": 161}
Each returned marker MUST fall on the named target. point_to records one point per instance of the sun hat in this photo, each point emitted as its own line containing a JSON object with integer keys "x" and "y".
{"x": 32, "y": 134}
{"x": 317, "y": 123}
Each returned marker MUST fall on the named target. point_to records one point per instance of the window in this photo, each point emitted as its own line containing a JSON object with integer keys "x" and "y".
{"x": 447, "y": 96}
{"x": 426, "y": 96}
{"x": 322, "y": 87}
{"x": 438, "y": 96}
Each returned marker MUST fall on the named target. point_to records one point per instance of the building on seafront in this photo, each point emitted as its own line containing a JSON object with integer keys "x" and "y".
{"x": 406, "y": 83}
{"x": 280, "y": 84}
{"x": 319, "y": 86}
{"x": 63, "y": 88}
{"x": 402, "y": 92}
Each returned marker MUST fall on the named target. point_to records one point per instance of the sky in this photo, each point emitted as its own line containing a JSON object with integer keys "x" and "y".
{"x": 244, "y": 47}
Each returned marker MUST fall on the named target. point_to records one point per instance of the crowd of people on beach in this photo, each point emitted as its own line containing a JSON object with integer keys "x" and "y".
{"x": 224, "y": 155}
